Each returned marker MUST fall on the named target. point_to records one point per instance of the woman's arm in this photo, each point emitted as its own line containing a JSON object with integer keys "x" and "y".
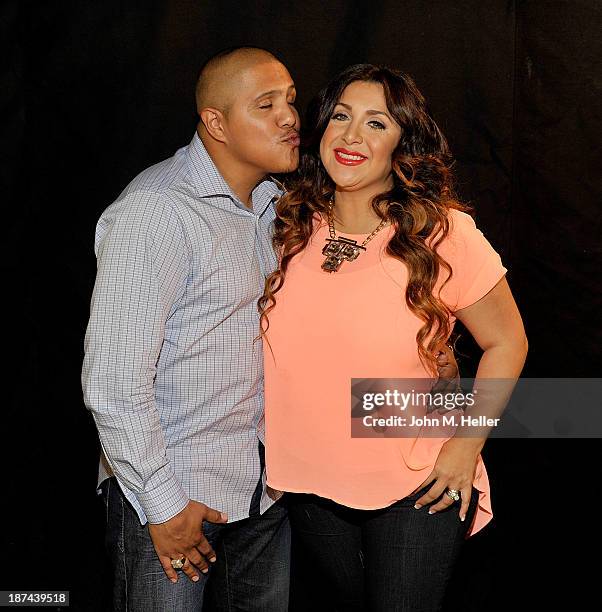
{"x": 496, "y": 325}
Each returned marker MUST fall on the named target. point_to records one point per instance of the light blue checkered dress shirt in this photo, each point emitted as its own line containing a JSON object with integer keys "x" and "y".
{"x": 171, "y": 374}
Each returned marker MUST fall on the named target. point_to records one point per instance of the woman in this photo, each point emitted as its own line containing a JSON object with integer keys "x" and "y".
{"x": 381, "y": 518}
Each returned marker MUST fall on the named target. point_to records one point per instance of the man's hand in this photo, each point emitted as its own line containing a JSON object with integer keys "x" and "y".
{"x": 182, "y": 535}
{"x": 447, "y": 366}
{"x": 448, "y": 380}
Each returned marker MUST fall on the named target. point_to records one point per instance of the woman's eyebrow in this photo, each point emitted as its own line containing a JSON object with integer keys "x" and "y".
{"x": 377, "y": 112}
{"x": 368, "y": 112}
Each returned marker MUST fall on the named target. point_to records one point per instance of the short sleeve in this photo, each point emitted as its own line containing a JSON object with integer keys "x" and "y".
{"x": 476, "y": 265}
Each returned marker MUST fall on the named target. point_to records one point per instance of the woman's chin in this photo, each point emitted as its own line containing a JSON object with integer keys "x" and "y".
{"x": 349, "y": 187}
{"x": 345, "y": 183}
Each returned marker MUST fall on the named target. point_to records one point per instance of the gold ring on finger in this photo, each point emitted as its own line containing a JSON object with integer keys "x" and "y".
{"x": 178, "y": 563}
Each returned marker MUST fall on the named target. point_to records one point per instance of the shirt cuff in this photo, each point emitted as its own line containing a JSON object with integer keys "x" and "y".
{"x": 164, "y": 501}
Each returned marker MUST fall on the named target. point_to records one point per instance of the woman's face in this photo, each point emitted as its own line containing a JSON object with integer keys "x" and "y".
{"x": 359, "y": 140}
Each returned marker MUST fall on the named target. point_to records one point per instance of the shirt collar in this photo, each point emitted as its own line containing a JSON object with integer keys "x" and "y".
{"x": 209, "y": 182}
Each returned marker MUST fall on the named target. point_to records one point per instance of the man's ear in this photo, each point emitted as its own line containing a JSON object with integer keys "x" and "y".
{"x": 213, "y": 120}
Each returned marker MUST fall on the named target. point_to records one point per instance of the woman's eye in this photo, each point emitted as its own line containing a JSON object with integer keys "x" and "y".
{"x": 376, "y": 125}
{"x": 339, "y": 116}
{"x": 266, "y": 106}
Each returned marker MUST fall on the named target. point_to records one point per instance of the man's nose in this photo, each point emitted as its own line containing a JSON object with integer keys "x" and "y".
{"x": 289, "y": 117}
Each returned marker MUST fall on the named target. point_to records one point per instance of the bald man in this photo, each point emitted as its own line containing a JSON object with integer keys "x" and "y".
{"x": 172, "y": 374}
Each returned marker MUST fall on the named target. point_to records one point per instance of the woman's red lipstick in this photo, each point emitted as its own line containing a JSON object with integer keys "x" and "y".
{"x": 349, "y": 158}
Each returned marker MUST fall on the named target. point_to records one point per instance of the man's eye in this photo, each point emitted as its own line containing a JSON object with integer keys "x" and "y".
{"x": 266, "y": 106}
{"x": 377, "y": 125}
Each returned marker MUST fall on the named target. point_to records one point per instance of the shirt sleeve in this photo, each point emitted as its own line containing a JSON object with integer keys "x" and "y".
{"x": 476, "y": 265}
{"x": 143, "y": 265}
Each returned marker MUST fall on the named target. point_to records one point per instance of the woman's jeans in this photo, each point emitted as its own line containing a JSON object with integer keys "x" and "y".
{"x": 390, "y": 560}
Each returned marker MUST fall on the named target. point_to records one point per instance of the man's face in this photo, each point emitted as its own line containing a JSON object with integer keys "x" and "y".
{"x": 262, "y": 123}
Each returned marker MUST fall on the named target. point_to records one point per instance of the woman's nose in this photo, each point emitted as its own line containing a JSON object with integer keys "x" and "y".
{"x": 352, "y": 135}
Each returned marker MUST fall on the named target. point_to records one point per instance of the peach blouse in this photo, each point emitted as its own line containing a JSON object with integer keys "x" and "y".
{"x": 328, "y": 328}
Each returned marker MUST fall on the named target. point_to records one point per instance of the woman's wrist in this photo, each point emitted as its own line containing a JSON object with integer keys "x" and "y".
{"x": 471, "y": 444}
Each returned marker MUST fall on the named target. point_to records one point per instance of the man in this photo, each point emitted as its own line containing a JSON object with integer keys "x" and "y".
{"x": 172, "y": 374}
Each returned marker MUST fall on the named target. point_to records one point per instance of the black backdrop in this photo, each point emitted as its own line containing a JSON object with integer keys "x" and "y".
{"x": 93, "y": 92}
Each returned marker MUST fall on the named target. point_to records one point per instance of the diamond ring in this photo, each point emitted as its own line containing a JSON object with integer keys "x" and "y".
{"x": 453, "y": 493}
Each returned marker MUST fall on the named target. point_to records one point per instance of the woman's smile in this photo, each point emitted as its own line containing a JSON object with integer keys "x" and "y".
{"x": 349, "y": 158}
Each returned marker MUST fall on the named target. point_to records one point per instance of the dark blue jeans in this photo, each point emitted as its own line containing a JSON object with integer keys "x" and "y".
{"x": 251, "y": 571}
{"x": 390, "y": 560}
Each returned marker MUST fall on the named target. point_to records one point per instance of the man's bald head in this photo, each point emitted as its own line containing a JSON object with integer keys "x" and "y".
{"x": 217, "y": 82}
{"x": 248, "y": 120}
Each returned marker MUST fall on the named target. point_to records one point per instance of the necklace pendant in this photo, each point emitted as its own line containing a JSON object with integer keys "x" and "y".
{"x": 339, "y": 250}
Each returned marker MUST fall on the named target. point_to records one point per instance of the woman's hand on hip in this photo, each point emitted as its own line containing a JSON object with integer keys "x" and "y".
{"x": 454, "y": 469}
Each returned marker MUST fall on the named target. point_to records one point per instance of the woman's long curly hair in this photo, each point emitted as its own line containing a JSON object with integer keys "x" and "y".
{"x": 416, "y": 206}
